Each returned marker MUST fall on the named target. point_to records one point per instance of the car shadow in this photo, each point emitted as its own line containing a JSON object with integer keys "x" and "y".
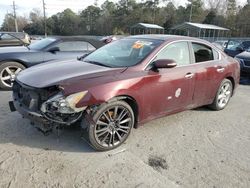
{"x": 202, "y": 109}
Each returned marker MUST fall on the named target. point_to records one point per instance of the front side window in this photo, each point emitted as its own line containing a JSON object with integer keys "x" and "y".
{"x": 123, "y": 53}
{"x": 202, "y": 53}
{"x": 178, "y": 51}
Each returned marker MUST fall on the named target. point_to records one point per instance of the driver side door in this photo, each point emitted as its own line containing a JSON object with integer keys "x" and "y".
{"x": 168, "y": 90}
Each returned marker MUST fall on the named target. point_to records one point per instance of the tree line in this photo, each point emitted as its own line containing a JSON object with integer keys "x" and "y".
{"x": 116, "y": 18}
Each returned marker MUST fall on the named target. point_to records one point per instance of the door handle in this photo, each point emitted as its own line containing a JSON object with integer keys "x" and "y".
{"x": 220, "y": 69}
{"x": 189, "y": 75}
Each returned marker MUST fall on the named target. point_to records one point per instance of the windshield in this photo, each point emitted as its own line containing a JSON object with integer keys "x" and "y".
{"x": 233, "y": 44}
{"x": 41, "y": 44}
{"x": 123, "y": 53}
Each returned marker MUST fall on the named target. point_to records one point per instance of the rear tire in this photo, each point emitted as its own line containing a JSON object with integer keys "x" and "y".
{"x": 112, "y": 124}
{"x": 8, "y": 71}
{"x": 223, "y": 95}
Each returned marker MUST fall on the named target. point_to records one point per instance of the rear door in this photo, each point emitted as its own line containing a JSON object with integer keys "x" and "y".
{"x": 171, "y": 89}
{"x": 209, "y": 72}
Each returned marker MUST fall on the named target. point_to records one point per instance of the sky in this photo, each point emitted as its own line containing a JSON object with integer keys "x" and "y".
{"x": 55, "y": 6}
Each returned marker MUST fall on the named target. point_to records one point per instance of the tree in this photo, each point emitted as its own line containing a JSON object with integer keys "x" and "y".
{"x": 89, "y": 18}
{"x": 107, "y": 13}
{"x": 231, "y": 15}
{"x": 68, "y": 22}
{"x": 197, "y": 13}
{"x": 169, "y": 16}
{"x": 217, "y": 6}
{"x": 36, "y": 25}
{"x": 210, "y": 18}
{"x": 9, "y": 23}
{"x": 243, "y": 25}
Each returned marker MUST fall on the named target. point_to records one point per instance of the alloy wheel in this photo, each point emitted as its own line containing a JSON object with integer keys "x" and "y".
{"x": 113, "y": 126}
{"x": 8, "y": 75}
{"x": 224, "y": 94}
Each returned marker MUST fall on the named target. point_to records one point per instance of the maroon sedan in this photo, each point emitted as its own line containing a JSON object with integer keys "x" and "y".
{"x": 124, "y": 84}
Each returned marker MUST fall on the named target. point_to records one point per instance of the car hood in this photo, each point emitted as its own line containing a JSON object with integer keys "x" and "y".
{"x": 14, "y": 49}
{"x": 63, "y": 73}
{"x": 244, "y": 55}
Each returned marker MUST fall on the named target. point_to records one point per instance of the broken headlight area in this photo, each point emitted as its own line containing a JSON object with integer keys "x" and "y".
{"x": 63, "y": 110}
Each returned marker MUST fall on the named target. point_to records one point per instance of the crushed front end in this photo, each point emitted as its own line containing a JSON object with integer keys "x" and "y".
{"x": 46, "y": 108}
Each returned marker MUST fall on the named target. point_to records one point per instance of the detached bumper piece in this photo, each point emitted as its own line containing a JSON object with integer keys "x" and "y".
{"x": 12, "y": 106}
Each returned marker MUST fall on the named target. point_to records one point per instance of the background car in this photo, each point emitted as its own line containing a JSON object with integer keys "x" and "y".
{"x": 222, "y": 44}
{"x": 14, "y": 39}
{"x": 15, "y": 59}
{"x": 237, "y": 48}
{"x": 112, "y": 38}
{"x": 126, "y": 83}
{"x": 244, "y": 60}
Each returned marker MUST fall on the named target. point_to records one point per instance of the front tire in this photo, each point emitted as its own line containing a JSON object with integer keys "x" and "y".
{"x": 112, "y": 124}
{"x": 8, "y": 72}
{"x": 223, "y": 95}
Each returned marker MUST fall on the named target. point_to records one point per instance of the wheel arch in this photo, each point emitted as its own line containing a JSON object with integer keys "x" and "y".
{"x": 232, "y": 81}
{"x": 132, "y": 103}
{"x": 14, "y": 60}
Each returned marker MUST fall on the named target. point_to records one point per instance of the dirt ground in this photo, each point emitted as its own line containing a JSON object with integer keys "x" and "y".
{"x": 195, "y": 148}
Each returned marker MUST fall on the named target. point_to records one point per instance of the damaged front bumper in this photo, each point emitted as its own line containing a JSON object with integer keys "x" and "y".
{"x": 26, "y": 113}
{"x": 29, "y": 101}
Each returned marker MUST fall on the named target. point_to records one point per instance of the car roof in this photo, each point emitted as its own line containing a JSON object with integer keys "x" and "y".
{"x": 221, "y": 41}
{"x": 92, "y": 40}
{"x": 167, "y": 37}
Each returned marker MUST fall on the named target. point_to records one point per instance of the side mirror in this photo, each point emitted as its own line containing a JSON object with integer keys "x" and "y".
{"x": 240, "y": 49}
{"x": 82, "y": 57}
{"x": 164, "y": 63}
{"x": 54, "y": 49}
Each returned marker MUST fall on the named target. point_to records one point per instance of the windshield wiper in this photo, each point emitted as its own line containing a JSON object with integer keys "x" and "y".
{"x": 96, "y": 63}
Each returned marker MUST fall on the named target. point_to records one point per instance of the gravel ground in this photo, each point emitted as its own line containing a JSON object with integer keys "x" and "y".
{"x": 195, "y": 148}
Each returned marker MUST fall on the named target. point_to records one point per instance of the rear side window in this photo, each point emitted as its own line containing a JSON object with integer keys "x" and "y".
{"x": 72, "y": 46}
{"x": 202, "y": 53}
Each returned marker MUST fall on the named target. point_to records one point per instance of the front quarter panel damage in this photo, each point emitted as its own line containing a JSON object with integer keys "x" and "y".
{"x": 101, "y": 93}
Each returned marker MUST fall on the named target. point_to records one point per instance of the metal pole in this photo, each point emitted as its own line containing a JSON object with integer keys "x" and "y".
{"x": 14, "y": 8}
{"x": 8, "y": 24}
{"x": 213, "y": 35}
{"x": 154, "y": 12}
{"x": 44, "y": 17}
{"x": 191, "y": 12}
{"x": 218, "y": 36}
